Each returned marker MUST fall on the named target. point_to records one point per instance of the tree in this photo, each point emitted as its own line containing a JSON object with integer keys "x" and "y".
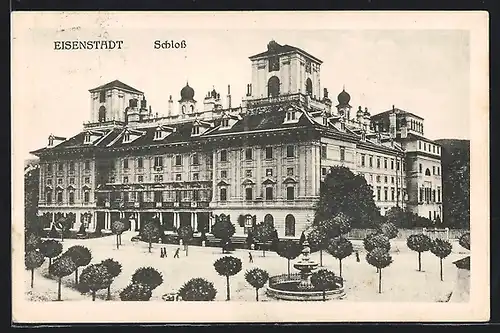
{"x": 340, "y": 248}
{"x": 464, "y": 240}
{"x": 223, "y": 229}
{"x": 81, "y": 256}
{"x": 32, "y": 241}
{"x": 186, "y": 234}
{"x": 148, "y": 276}
{"x": 380, "y": 258}
{"x": 257, "y": 278}
{"x": 373, "y": 241}
{"x": 118, "y": 227}
{"x": 323, "y": 280}
{"x": 50, "y": 248}
{"x": 388, "y": 229}
{"x": 150, "y": 232}
{"x": 289, "y": 250}
{"x": 419, "y": 243}
{"x": 343, "y": 191}
{"x": 62, "y": 266}
{"x": 96, "y": 277}
{"x": 114, "y": 269}
{"x": 228, "y": 266}
{"x": 339, "y": 225}
{"x": 136, "y": 292}
{"x": 198, "y": 289}
{"x": 318, "y": 239}
{"x": 264, "y": 233}
{"x": 31, "y": 190}
{"x": 64, "y": 225}
{"x": 32, "y": 260}
{"x": 441, "y": 249}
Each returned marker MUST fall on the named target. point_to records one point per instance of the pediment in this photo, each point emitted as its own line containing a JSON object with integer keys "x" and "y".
{"x": 248, "y": 182}
{"x": 289, "y": 180}
{"x": 222, "y": 183}
{"x": 269, "y": 181}
{"x": 87, "y": 186}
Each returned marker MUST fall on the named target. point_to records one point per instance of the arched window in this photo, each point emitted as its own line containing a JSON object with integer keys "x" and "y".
{"x": 309, "y": 87}
{"x": 269, "y": 219}
{"x": 102, "y": 114}
{"x": 192, "y": 108}
{"x": 290, "y": 225}
{"x": 183, "y": 109}
{"x": 427, "y": 172}
{"x": 273, "y": 87}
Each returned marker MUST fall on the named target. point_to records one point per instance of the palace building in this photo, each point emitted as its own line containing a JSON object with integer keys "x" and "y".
{"x": 263, "y": 160}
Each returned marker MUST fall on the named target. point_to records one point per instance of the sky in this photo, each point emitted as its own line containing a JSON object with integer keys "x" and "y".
{"x": 425, "y": 72}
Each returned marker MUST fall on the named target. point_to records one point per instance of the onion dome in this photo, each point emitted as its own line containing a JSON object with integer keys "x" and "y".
{"x": 344, "y": 98}
{"x": 367, "y": 114}
{"x": 360, "y": 112}
{"x": 187, "y": 93}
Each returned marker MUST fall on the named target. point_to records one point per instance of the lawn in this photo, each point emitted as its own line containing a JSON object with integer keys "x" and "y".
{"x": 400, "y": 281}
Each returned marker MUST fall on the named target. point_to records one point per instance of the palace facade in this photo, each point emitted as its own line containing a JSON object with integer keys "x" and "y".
{"x": 262, "y": 160}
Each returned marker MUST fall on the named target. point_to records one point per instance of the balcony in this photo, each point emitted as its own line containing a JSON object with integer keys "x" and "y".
{"x": 104, "y": 124}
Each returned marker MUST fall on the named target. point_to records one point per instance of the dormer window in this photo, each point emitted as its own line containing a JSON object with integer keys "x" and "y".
{"x": 51, "y": 141}
{"x": 342, "y": 126}
{"x": 126, "y": 137}
{"x": 196, "y": 130}
{"x": 87, "y": 138}
{"x": 290, "y": 115}
{"x": 363, "y": 136}
{"x": 157, "y": 135}
{"x": 325, "y": 121}
{"x": 225, "y": 122}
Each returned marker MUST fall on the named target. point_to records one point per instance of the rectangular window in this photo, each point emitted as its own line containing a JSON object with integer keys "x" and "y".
{"x": 386, "y": 197}
{"x": 71, "y": 197}
{"x": 269, "y": 172}
{"x": 434, "y": 149}
{"x": 323, "y": 171}
{"x": 71, "y": 166}
{"x": 421, "y": 195}
{"x": 195, "y": 176}
{"x": 430, "y": 215}
{"x": 72, "y": 180}
{"x": 378, "y": 163}
{"x": 178, "y": 176}
{"x": 158, "y": 162}
{"x": 378, "y": 179}
{"x": 393, "y": 194}
{"x": 269, "y": 153}
{"x": 392, "y": 180}
{"x": 140, "y": 179}
{"x": 49, "y": 197}
{"x": 86, "y": 165}
{"x": 425, "y": 146}
{"x": 323, "y": 151}
{"x": 59, "y": 197}
{"x": 378, "y": 193}
{"x": 223, "y": 194}
{"x": 248, "y": 193}
{"x": 125, "y": 179}
{"x": 60, "y": 167}
{"x": 196, "y": 159}
{"x": 158, "y": 196}
{"x": 370, "y": 162}
{"x": 269, "y": 193}
{"x": 438, "y": 150}
{"x": 125, "y": 163}
{"x": 289, "y": 171}
{"x": 398, "y": 166}
{"x": 438, "y": 171}
{"x": 140, "y": 162}
{"x": 433, "y": 195}
{"x": 385, "y": 179}
{"x": 248, "y": 173}
{"x": 86, "y": 196}
{"x": 385, "y": 163}
{"x": 439, "y": 195}
{"x": 102, "y": 96}
{"x": 290, "y": 151}
{"x": 404, "y": 166}
{"x": 433, "y": 170}
{"x": 49, "y": 181}
{"x": 86, "y": 180}
{"x": 59, "y": 181}
{"x": 362, "y": 160}
{"x": 420, "y": 168}
{"x": 248, "y": 154}
{"x": 420, "y": 145}
{"x": 178, "y": 160}
{"x": 342, "y": 153}
{"x": 223, "y": 155}
{"x": 223, "y": 174}
{"x": 392, "y": 164}
{"x": 290, "y": 193}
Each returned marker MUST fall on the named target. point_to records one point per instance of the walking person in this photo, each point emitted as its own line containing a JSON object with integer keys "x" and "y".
{"x": 164, "y": 251}
{"x": 176, "y": 254}
{"x": 250, "y": 257}
{"x": 357, "y": 256}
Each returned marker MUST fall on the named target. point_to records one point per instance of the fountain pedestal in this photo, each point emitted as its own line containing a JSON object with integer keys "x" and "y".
{"x": 305, "y": 266}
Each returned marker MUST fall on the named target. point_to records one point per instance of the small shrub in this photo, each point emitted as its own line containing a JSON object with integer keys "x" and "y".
{"x": 81, "y": 256}
{"x": 136, "y": 292}
{"x": 228, "y": 266}
{"x": 257, "y": 278}
{"x": 96, "y": 277}
{"x": 464, "y": 241}
{"x": 51, "y": 248}
{"x": 32, "y": 260}
{"x": 324, "y": 279}
{"x": 198, "y": 289}
{"x": 114, "y": 269}
{"x": 147, "y": 276}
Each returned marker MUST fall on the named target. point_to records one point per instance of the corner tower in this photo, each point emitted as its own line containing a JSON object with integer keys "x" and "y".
{"x": 109, "y": 101}
{"x": 284, "y": 70}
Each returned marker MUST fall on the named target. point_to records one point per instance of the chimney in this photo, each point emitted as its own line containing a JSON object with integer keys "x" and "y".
{"x": 170, "y": 106}
{"x": 228, "y": 96}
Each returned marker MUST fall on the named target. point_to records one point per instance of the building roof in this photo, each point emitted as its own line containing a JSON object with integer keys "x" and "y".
{"x": 398, "y": 111}
{"x": 281, "y": 49}
{"x": 116, "y": 84}
{"x": 463, "y": 263}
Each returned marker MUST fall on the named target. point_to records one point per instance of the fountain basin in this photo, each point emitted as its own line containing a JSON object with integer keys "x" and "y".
{"x": 287, "y": 288}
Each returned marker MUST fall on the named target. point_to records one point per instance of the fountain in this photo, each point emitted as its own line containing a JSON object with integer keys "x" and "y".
{"x": 298, "y": 287}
